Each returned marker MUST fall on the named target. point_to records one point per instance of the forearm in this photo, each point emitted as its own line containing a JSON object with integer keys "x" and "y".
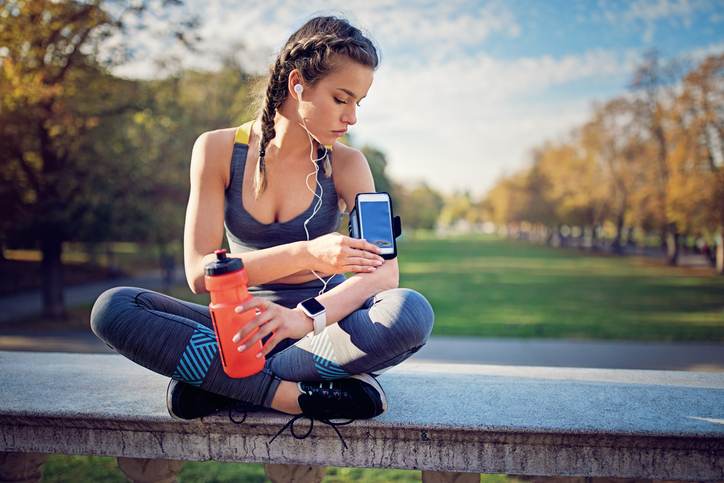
{"x": 267, "y": 264}
{"x": 348, "y": 296}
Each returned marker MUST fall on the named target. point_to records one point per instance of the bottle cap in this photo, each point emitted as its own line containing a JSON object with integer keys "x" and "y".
{"x": 223, "y": 264}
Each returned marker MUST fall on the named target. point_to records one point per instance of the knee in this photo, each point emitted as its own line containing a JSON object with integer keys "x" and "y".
{"x": 416, "y": 316}
{"x": 107, "y": 308}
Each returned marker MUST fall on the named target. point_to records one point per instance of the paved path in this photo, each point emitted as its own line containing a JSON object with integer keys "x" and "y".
{"x": 26, "y": 304}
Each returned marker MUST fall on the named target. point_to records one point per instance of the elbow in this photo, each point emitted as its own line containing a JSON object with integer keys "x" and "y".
{"x": 197, "y": 286}
{"x": 196, "y": 283}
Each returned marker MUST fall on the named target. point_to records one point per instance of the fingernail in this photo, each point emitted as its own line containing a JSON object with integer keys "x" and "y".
{"x": 258, "y": 355}
{"x": 237, "y": 310}
{"x": 235, "y": 339}
{"x": 241, "y": 348}
{"x": 378, "y": 262}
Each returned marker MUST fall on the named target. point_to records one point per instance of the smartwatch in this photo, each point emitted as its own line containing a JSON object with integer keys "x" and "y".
{"x": 316, "y": 311}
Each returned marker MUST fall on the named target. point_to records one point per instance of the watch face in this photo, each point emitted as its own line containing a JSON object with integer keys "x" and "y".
{"x": 312, "y": 306}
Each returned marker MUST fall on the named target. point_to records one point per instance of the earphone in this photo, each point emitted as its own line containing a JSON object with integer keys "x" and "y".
{"x": 298, "y": 88}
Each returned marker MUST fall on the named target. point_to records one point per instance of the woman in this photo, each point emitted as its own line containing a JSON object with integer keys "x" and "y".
{"x": 250, "y": 181}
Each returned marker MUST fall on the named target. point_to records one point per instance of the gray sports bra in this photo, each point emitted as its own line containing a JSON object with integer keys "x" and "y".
{"x": 246, "y": 233}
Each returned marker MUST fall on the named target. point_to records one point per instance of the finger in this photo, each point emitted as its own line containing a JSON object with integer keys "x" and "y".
{"x": 263, "y": 331}
{"x": 270, "y": 344}
{"x": 359, "y": 268}
{"x": 363, "y": 244}
{"x": 255, "y": 302}
{"x": 367, "y": 257}
{"x": 254, "y": 323}
{"x": 362, "y": 262}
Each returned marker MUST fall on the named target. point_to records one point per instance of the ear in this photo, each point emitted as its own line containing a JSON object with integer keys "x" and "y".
{"x": 294, "y": 78}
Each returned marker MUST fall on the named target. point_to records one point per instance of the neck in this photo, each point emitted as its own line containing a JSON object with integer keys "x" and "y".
{"x": 291, "y": 140}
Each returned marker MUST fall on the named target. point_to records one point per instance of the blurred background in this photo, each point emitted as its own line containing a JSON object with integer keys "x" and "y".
{"x": 558, "y": 167}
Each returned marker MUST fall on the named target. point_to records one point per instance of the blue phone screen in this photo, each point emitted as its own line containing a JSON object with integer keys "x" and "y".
{"x": 375, "y": 221}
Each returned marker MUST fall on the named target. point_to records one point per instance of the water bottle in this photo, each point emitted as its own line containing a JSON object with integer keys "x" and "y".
{"x": 226, "y": 280}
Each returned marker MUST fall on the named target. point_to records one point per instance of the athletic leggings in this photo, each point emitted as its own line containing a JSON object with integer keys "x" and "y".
{"x": 175, "y": 338}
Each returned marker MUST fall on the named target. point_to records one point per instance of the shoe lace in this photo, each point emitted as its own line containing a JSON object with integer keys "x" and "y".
{"x": 294, "y": 419}
{"x": 241, "y": 407}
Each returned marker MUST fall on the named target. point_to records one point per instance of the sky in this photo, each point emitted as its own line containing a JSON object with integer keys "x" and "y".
{"x": 465, "y": 89}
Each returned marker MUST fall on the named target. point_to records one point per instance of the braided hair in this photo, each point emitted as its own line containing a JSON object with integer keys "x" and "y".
{"x": 310, "y": 50}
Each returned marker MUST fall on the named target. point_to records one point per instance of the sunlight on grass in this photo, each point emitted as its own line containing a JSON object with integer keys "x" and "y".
{"x": 500, "y": 288}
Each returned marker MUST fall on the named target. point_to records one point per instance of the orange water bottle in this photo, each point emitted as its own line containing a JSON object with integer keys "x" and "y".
{"x": 226, "y": 281}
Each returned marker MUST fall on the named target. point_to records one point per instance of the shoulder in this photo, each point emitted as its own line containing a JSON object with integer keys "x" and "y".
{"x": 211, "y": 154}
{"x": 351, "y": 173}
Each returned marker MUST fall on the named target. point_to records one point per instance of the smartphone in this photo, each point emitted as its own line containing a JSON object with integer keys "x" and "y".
{"x": 374, "y": 220}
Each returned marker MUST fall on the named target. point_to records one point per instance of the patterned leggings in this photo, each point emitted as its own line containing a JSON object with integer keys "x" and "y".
{"x": 175, "y": 338}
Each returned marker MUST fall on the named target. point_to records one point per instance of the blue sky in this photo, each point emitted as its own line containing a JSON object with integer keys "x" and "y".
{"x": 467, "y": 88}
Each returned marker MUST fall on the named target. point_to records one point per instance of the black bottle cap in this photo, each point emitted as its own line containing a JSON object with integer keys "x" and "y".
{"x": 223, "y": 264}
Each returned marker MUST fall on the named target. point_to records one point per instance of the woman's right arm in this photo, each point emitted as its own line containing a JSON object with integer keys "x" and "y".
{"x": 204, "y": 224}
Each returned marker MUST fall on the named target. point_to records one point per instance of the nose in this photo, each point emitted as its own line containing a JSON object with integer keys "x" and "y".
{"x": 350, "y": 116}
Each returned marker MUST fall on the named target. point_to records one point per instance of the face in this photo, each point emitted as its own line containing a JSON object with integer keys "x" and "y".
{"x": 330, "y": 106}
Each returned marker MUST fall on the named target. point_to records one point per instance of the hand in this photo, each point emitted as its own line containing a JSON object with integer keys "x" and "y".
{"x": 335, "y": 253}
{"x": 271, "y": 318}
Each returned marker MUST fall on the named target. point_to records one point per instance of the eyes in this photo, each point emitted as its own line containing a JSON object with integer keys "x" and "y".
{"x": 340, "y": 101}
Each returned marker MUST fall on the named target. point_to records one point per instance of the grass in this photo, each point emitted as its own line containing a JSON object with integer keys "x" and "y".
{"x": 498, "y": 288}
{"x": 487, "y": 287}
{"x": 62, "y": 468}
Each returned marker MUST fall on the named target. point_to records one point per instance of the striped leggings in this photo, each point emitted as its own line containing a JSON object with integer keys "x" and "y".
{"x": 175, "y": 338}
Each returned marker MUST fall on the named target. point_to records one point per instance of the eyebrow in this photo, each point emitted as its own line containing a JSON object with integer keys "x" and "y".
{"x": 347, "y": 91}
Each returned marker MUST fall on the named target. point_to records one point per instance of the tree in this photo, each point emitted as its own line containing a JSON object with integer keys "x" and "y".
{"x": 56, "y": 98}
{"x": 613, "y": 141}
{"x": 653, "y": 82}
{"x": 419, "y": 206}
{"x": 696, "y": 187}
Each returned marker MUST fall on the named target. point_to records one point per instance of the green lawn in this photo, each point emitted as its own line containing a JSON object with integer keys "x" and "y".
{"x": 487, "y": 287}
{"x": 61, "y": 469}
{"x": 497, "y": 288}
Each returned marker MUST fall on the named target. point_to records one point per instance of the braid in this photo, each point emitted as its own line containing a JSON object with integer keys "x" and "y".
{"x": 271, "y": 102}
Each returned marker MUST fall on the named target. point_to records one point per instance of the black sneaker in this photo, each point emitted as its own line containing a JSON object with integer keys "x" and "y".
{"x": 185, "y": 401}
{"x": 357, "y": 397}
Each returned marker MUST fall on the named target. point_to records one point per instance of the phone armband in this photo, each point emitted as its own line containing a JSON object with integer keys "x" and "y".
{"x": 354, "y": 230}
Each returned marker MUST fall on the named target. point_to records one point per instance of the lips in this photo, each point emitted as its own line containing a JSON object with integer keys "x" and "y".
{"x": 340, "y": 133}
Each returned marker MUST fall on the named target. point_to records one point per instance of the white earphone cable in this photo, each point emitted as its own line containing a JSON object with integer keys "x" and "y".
{"x": 318, "y": 203}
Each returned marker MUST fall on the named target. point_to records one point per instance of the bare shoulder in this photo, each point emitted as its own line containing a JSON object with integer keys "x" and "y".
{"x": 212, "y": 153}
{"x": 352, "y": 173}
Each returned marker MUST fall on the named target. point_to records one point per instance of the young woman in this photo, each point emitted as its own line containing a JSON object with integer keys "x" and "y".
{"x": 253, "y": 182}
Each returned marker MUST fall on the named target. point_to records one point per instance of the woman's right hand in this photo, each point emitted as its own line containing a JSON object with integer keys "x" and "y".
{"x": 336, "y": 253}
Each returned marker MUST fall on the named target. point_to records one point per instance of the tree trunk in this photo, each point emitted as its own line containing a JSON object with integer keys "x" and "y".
{"x": 673, "y": 247}
{"x": 720, "y": 253}
{"x": 52, "y": 277}
{"x": 617, "y": 245}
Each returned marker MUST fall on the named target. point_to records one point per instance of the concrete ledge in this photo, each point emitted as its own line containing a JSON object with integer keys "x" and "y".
{"x": 454, "y": 418}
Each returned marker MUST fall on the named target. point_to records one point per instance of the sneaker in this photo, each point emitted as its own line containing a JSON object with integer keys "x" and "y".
{"x": 357, "y": 397}
{"x": 185, "y": 401}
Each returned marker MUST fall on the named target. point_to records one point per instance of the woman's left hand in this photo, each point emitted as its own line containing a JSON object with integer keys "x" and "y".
{"x": 271, "y": 318}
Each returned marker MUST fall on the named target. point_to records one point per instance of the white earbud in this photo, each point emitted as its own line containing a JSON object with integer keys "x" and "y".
{"x": 298, "y": 88}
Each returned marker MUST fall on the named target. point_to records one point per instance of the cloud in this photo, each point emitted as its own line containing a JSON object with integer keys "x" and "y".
{"x": 442, "y": 109}
{"x": 652, "y": 12}
{"x": 459, "y": 124}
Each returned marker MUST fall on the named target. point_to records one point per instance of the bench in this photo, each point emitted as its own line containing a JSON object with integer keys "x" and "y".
{"x": 452, "y": 422}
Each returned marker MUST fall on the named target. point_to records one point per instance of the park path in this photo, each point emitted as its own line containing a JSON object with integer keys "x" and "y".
{"x": 26, "y": 304}
{"x": 684, "y": 356}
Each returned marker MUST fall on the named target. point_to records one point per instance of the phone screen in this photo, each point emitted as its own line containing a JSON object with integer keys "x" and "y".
{"x": 376, "y": 226}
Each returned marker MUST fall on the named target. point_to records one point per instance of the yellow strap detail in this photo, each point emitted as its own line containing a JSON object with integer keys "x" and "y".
{"x": 243, "y": 132}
